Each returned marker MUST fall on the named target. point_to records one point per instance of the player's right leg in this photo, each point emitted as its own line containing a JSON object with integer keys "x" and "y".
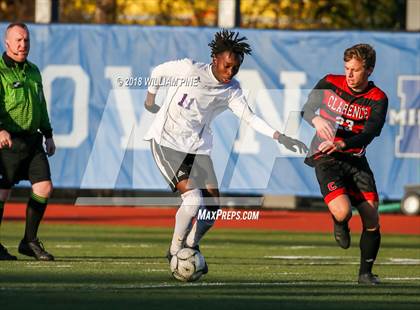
{"x": 330, "y": 175}
{"x": 340, "y": 208}
{"x": 9, "y": 166}
{"x": 175, "y": 167}
{"x": 4, "y": 254}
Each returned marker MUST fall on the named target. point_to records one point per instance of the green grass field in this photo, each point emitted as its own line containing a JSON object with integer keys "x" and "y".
{"x": 122, "y": 267}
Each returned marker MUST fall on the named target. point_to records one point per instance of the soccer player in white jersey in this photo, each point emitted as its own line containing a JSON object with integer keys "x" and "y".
{"x": 181, "y": 137}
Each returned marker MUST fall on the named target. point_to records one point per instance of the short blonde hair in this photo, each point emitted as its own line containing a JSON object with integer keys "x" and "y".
{"x": 363, "y": 52}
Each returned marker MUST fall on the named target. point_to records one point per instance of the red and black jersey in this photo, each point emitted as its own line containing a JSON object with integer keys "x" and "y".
{"x": 358, "y": 117}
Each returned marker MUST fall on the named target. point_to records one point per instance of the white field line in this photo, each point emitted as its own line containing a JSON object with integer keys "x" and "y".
{"x": 49, "y": 266}
{"x": 296, "y": 257}
{"x": 140, "y": 245}
{"x": 403, "y": 279}
{"x": 407, "y": 261}
{"x": 196, "y": 285}
{"x": 383, "y": 261}
{"x": 156, "y": 270}
{"x": 175, "y": 285}
{"x": 69, "y": 246}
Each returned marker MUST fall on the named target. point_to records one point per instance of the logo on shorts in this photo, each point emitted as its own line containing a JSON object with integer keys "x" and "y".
{"x": 331, "y": 186}
{"x": 180, "y": 173}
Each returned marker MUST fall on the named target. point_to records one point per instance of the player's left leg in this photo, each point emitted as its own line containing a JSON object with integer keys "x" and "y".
{"x": 37, "y": 204}
{"x": 191, "y": 201}
{"x": 205, "y": 178}
{"x": 203, "y": 225}
{"x": 366, "y": 201}
{"x": 370, "y": 241}
{"x": 39, "y": 175}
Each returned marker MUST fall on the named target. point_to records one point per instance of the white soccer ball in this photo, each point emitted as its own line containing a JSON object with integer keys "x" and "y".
{"x": 187, "y": 265}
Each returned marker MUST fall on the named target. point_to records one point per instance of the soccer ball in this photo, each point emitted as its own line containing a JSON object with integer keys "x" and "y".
{"x": 187, "y": 265}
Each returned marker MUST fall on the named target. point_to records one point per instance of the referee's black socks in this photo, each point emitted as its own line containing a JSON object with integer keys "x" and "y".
{"x": 370, "y": 241}
{"x": 34, "y": 214}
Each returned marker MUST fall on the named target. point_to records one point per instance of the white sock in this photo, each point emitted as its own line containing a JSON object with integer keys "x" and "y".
{"x": 191, "y": 202}
{"x": 198, "y": 231}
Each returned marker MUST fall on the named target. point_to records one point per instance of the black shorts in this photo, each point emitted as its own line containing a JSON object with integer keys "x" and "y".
{"x": 176, "y": 166}
{"x": 25, "y": 160}
{"x": 344, "y": 174}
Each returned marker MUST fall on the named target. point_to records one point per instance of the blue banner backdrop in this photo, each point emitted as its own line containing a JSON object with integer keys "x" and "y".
{"x": 94, "y": 80}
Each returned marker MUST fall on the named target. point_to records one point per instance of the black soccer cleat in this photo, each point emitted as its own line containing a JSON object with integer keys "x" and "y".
{"x": 369, "y": 279}
{"x": 169, "y": 255}
{"x": 197, "y": 248}
{"x": 342, "y": 233}
{"x": 35, "y": 249}
{"x": 5, "y": 255}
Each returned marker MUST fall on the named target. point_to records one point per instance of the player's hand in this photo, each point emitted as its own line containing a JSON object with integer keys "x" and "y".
{"x": 330, "y": 147}
{"x": 50, "y": 146}
{"x": 150, "y": 104}
{"x": 324, "y": 128}
{"x": 292, "y": 144}
{"x": 5, "y": 139}
{"x": 153, "y": 108}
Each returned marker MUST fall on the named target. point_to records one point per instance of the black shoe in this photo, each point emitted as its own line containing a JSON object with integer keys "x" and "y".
{"x": 35, "y": 249}
{"x": 169, "y": 255}
{"x": 368, "y": 278}
{"x": 197, "y": 248}
{"x": 342, "y": 234}
{"x": 4, "y": 255}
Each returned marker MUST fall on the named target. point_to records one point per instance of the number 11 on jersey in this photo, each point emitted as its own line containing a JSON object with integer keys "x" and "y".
{"x": 186, "y": 104}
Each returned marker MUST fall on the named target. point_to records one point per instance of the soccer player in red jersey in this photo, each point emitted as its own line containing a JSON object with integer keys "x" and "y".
{"x": 352, "y": 112}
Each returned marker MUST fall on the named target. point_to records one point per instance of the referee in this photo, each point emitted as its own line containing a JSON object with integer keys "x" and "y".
{"x": 24, "y": 122}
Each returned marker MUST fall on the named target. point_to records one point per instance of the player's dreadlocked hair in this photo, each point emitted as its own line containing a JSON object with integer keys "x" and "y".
{"x": 226, "y": 40}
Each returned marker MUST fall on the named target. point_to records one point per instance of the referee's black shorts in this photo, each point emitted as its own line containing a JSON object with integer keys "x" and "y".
{"x": 25, "y": 160}
{"x": 176, "y": 166}
{"x": 345, "y": 174}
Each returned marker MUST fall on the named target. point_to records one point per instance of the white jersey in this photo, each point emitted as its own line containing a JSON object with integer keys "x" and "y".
{"x": 194, "y": 98}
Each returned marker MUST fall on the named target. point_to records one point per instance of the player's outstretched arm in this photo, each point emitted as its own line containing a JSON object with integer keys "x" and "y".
{"x": 242, "y": 110}
{"x": 290, "y": 143}
{"x": 150, "y": 104}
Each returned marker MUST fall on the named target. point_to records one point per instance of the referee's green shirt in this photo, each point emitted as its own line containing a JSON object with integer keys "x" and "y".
{"x": 22, "y": 103}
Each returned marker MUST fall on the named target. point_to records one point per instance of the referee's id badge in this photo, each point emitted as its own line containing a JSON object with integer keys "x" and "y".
{"x": 17, "y": 84}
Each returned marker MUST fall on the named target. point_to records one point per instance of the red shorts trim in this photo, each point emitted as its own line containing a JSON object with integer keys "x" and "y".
{"x": 335, "y": 194}
{"x": 359, "y": 197}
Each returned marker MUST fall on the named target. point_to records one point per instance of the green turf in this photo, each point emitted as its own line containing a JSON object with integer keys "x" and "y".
{"x": 120, "y": 267}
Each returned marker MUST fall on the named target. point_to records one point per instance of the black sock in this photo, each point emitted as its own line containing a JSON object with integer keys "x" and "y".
{"x": 369, "y": 247}
{"x": 34, "y": 214}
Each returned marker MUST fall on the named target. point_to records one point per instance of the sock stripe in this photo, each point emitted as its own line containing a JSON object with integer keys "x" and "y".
{"x": 38, "y": 198}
